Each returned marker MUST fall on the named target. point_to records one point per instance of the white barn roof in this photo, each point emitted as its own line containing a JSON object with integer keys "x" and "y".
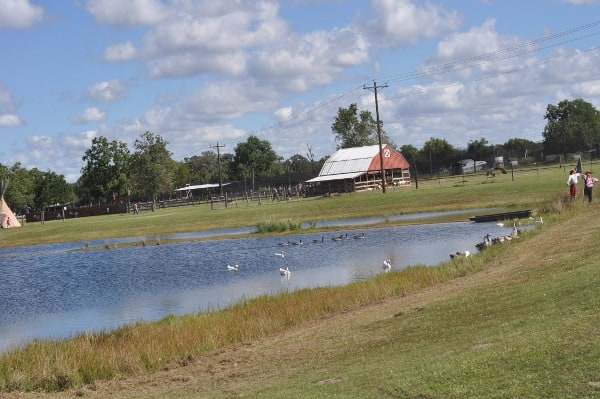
{"x": 349, "y": 163}
{"x": 349, "y": 160}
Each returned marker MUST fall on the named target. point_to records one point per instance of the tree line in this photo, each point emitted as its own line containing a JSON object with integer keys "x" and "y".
{"x": 113, "y": 172}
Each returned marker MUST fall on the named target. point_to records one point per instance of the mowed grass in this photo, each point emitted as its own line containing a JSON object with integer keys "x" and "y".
{"x": 525, "y": 188}
{"x": 517, "y": 320}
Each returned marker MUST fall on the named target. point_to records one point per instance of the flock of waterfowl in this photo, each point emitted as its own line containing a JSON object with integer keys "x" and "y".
{"x": 387, "y": 263}
{"x": 285, "y": 271}
{"x": 488, "y": 240}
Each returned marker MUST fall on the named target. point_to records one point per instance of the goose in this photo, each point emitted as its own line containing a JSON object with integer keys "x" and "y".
{"x": 297, "y": 242}
{"x": 284, "y": 244}
{"x": 338, "y": 238}
{"x": 387, "y": 264}
{"x": 233, "y": 268}
{"x": 282, "y": 254}
{"x": 359, "y": 236}
{"x": 459, "y": 254}
{"x": 285, "y": 272}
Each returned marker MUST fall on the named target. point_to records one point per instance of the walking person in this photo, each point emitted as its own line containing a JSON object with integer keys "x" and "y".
{"x": 572, "y": 183}
{"x": 589, "y": 185}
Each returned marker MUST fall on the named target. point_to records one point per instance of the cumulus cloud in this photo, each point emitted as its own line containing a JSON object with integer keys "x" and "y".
{"x": 9, "y": 120}
{"x": 7, "y": 116}
{"x": 19, "y": 14}
{"x": 107, "y": 91}
{"x": 130, "y": 13}
{"x": 195, "y": 38}
{"x": 66, "y": 151}
{"x": 92, "y": 114}
{"x": 120, "y": 52}
{"x": 401, "y": 22}
{"x": 302, "y": 61}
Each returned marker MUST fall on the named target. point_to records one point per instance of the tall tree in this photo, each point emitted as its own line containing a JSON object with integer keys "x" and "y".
{"x": 50, "y": 189}
{"x": 439, "y": 154}
{"x": 572, "y": 126}
{"x": 254, "y": 157}
{"x": 479, "y": 149}
{"x": 152, "y": 168}
{"x": 104, "y": 176}
{"x": 354, "y": 129}
{"x": 20, "y": 188}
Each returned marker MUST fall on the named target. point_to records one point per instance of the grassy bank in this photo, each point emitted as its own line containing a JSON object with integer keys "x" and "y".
{"x": 517, "y": 320}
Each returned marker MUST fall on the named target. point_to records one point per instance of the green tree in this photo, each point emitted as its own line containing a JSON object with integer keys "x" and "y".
{"x": 572, "y": 126}
{"x": 19, "y": 182}
{"x": 254, "y": 157}
{"x": 479, "y": 150}
{"x": 354, "y": 129}
{"x": 50, "y": 189}
{"x": 104, "y": 176}
{"x": 152, "y": 169}
{"x": 439, "y": 154}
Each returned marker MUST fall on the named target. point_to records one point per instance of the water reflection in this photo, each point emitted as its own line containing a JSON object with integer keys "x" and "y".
{"x": 51, "y": 291}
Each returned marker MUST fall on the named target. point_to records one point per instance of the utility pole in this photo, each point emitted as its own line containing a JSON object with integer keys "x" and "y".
{"x": 218, "y": 147}
{"x": 375, "y": 87}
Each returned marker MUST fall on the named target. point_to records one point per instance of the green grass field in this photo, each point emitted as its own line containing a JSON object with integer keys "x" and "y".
{"x": 525, "y": 188}
{"x": 518, "y": 320}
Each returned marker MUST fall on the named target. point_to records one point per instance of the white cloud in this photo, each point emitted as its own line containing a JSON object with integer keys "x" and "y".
{"x": 299, "y": 62}
{"x": 7, "y": 116}
{"x": 107, "y": 91}
{"x": 401, "y": 22}
{"x": 582, "y": 1}
{"x": 283, "y": 114}
{"x": 208, "y": 37}
{"x": 120, "y": 52}
{"x": 9, "y": 120}
{"x": 128, "y": 13}
{"x": 92, "y": 114}
{"x": 19, "y": 14}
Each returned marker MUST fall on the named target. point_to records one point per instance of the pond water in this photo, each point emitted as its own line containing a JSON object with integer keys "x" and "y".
{"x": 50, "y": 291}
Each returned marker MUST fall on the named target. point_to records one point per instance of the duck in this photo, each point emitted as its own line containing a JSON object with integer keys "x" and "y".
{"x": 285, "y": 271}
{"x": 233, "y": 268}
{"x": 387, "y": 264}
{"x": 459, "y": 254}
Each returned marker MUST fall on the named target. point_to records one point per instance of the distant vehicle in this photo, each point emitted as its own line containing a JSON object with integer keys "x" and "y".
{"x": 469, "y": 166}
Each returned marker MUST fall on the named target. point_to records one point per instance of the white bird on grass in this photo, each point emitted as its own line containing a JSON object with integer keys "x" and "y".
{"x": 459, "y": 254}
{"x": 387, "y": 264}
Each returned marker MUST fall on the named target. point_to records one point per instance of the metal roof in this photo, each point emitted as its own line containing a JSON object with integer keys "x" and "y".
{"x": 340, "y": 176}
{"x": 349, "y": 160}
{"x": 199, "y": 186}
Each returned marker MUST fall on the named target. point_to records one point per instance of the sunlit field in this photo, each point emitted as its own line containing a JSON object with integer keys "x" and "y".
{"x": 525, "y": 188}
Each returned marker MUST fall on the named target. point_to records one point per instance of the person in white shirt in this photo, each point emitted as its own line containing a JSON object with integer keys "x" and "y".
{"x": 572, "y": 183}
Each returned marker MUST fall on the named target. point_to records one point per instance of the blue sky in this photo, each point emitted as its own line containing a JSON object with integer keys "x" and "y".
{"x": 205, "y": 72}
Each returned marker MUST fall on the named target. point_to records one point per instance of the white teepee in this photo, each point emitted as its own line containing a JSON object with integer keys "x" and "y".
{"x": 7, "y": 217}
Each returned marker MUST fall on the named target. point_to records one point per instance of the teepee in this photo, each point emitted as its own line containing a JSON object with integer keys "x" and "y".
{"x": 7, "y": 217}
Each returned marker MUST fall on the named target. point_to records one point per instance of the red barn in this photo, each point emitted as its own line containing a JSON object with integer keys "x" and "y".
{"x": 359, "y": 169}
